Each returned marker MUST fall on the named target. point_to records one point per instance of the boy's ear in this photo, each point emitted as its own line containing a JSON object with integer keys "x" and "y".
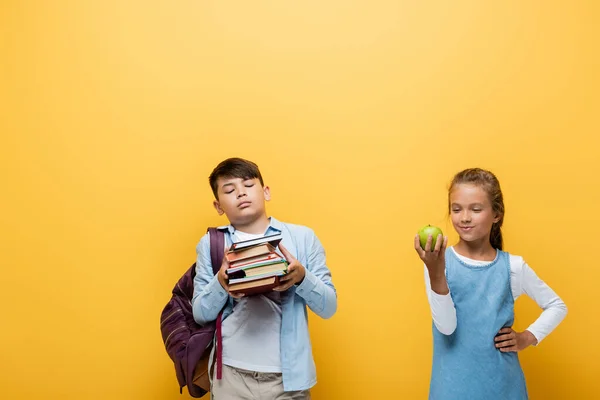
{"x": 267, "y": 192}
{"x": 218, "y": 207}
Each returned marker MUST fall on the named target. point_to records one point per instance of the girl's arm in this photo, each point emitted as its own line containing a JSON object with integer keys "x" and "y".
{"x": 554, "y": 308}
{"x": 442, "y": 307}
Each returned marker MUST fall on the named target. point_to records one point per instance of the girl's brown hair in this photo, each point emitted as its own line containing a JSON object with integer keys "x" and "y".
{"x": 491, "y": 185}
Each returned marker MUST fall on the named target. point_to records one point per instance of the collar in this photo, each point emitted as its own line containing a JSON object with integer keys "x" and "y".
{"x": 273, "y": 224}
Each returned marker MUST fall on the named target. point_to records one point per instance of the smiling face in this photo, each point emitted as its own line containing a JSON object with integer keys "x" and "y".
{"x": 472, "y": 213}
{"x": 241, "y": 200}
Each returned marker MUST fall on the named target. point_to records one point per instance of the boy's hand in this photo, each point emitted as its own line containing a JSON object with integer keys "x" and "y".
{"x": 509, "y": 340}
{"x": 295, "y": 271}
{"x": 224, "y": 279}
{"x": 435, "y": 261}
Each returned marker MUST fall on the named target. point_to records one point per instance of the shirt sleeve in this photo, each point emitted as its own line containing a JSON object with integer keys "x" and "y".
{"x": 209, "y": 296}
{"x": 442, "y": 307}
{"x": 317, "y": 288}
{"x": 554, "y": 309}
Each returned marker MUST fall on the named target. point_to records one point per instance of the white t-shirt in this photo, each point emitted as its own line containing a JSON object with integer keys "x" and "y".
{"x": 522, "y": 280}
{"x": 251, "y": 334}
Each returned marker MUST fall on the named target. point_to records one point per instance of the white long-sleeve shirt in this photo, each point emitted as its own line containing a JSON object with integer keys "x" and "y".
{"x": 522, "y": 280}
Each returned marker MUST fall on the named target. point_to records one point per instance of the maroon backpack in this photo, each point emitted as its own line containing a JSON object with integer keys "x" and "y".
{"x": 186, "y": 341}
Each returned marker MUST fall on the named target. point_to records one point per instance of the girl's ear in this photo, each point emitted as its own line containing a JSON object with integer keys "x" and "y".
{"x": 497, "y": 218}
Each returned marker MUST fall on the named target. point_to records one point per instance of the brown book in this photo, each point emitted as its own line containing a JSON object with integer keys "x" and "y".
{"x": 255, "y": 287}
{"x": 254, "y": 251}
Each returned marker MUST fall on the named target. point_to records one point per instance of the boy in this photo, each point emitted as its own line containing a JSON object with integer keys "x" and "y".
{"x": 266, "y": 344}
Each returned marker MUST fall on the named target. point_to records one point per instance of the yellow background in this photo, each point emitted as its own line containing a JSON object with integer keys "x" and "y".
{"x": 113, "y": 113}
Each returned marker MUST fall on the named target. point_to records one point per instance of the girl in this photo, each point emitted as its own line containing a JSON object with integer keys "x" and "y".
{"x": 471, "y": 288}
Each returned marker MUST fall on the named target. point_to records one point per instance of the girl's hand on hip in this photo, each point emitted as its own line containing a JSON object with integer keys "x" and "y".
{"x": 509, "y": 340}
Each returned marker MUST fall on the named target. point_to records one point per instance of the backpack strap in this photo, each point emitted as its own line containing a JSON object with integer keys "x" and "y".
{"x": 217, "y": 248}
{"x": 217, "y": 252}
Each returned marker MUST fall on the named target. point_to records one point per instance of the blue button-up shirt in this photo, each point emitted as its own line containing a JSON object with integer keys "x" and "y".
{"x": 316, "y": 291}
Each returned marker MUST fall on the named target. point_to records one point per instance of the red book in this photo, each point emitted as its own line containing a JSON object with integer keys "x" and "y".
{"x": 258, "y": 260}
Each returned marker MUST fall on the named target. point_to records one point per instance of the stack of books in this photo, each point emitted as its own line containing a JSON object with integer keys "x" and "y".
{"x": 254, "y": 265}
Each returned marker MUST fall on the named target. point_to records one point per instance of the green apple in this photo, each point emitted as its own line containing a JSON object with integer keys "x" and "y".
{"x": 427, "y": 230}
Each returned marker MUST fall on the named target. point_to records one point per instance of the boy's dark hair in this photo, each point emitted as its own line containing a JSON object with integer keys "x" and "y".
{"x": 488, "y": 181}
{"x": 234, "y": 168}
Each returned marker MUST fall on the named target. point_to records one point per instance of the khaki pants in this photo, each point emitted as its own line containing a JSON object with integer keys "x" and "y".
{"x": 239, "y": 384}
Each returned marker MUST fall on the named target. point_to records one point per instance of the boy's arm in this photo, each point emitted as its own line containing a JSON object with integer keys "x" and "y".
{"x": 317, "y": 288}
{"x": 209, "y": 296}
